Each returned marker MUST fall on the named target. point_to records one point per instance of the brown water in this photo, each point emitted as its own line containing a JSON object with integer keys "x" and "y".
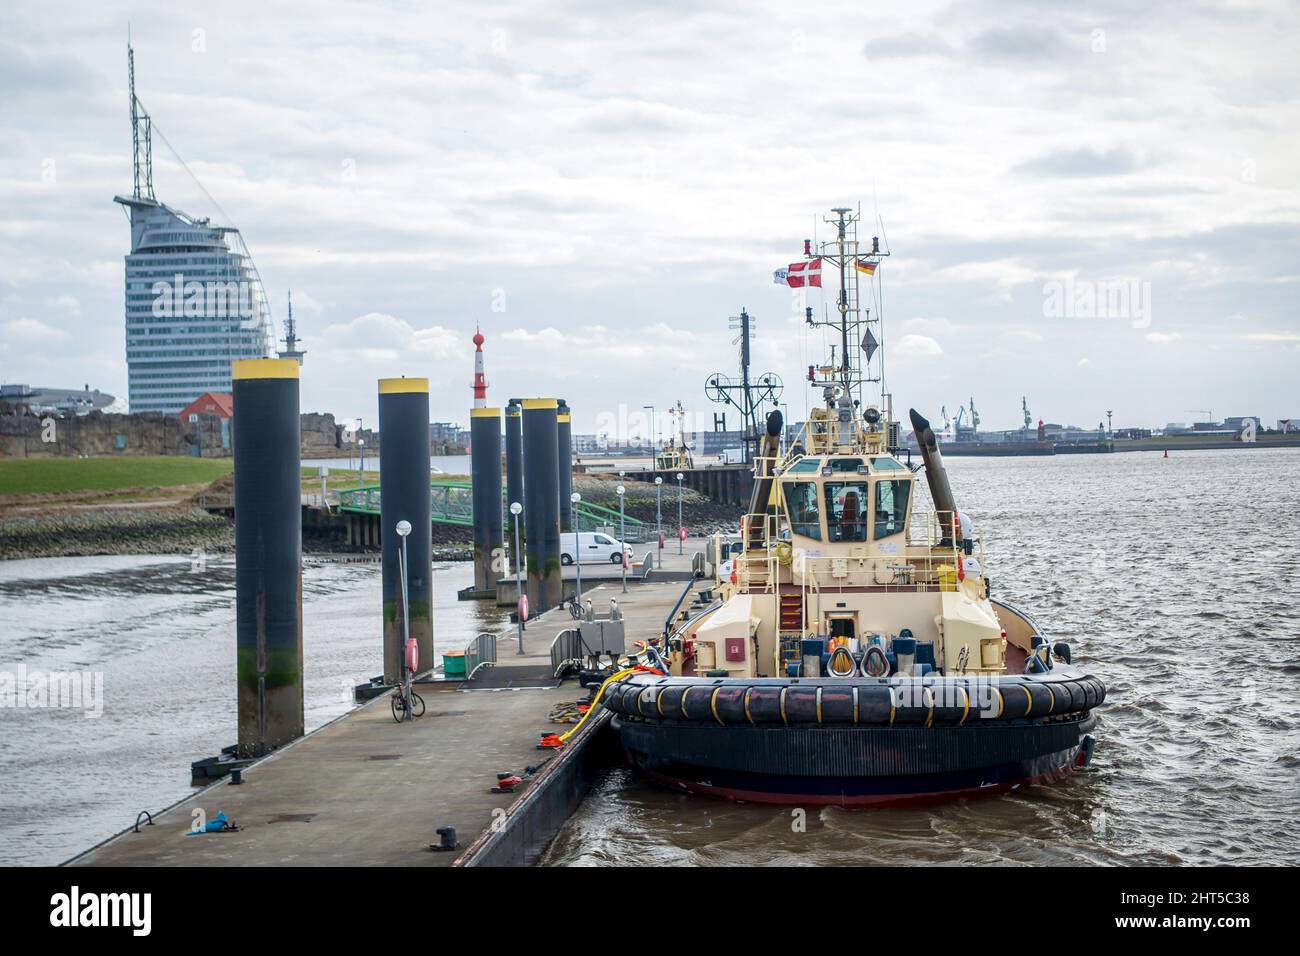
{"x": 1175, "y": 581}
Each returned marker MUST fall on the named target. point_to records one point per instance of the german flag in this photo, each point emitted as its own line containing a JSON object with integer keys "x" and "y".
{"x": 865, "y": 267}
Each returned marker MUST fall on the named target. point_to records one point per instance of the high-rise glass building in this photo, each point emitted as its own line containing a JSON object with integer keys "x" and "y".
{"x": 194, "y": 304}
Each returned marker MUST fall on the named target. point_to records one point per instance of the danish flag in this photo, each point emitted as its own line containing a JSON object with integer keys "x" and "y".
{"x": 798, "y": 274}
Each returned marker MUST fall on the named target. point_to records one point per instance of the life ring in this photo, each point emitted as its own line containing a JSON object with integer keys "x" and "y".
{"x": 412, "y": 655}
{"x": 523, "y": 607}
{"x": 784, "y": 552}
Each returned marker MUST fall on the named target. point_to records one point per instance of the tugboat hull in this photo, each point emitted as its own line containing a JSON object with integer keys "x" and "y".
{"x": 855, "y": 743}
{"x": 855, "y": 766}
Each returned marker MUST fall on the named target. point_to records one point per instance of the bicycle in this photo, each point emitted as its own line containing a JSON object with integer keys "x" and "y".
{"x": 406, "y": 703}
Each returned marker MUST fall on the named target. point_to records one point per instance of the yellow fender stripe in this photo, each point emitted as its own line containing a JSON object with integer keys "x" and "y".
{"x": 928, "y": 695}
{"x": 784, "y": 720}
{"x": 855, "y": 704}
{"x": 1002, "y": 704}
{"x": 659, "y": 702}
{"x": 819, "y": 705}
{"x": 965, "y": 711}
{"x": 1051, "y": 699}
{"x": 891, "y": 706}
{"x": 748, "y": 715}
{"x": 713, "y": 704}
{"x": 685, "y": 694}
{"x": 1029, "y": 695}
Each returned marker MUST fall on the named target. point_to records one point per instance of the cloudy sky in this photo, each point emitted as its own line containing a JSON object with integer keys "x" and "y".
{"x": 599, "y": 186}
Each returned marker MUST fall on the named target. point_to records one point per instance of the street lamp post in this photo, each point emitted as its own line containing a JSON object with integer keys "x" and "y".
{"x": 577, "y": 552}
{"x": 659, "y": 512}
{"x": 361, "y": 475}
{"x": 622, "y": 533}
{"x": 516, "y": 509}
{"x": 680, "y": 527}
{"x": 403, "y": 530}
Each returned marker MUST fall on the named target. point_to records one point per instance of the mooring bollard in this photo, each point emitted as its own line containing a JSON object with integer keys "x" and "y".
{"x": 268, "y": 553}
{"x": 404, "y": 494}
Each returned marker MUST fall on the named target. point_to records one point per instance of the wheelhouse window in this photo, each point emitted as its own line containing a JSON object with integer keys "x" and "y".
{"x": 841, "y": 465}
{"x": 801, "y": 504}
{"x": 804, "y": 466}
{"x": 846, "y": 510}
{"x": 887, "y": 464}
{"x": 891, "y": 506}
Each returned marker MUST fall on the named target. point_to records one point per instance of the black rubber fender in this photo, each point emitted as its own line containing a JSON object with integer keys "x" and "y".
{"x": 801, "y": 704}
{"x": 765, "y": 704}
{"x": 926, "y": 701}
{"x": 837, "y": 705}
{"x": 1016, "y": 701}
{"x": 1042, "y": 699}
{"x": 729, "y": 703}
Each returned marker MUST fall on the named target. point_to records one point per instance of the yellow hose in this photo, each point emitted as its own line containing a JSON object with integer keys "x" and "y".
{"x": 618, "y": 675}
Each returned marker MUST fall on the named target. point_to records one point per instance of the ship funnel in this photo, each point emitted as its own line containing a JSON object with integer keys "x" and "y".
{"x": 774, "y": 423}
{"x": 936, "y": 476}
{"x": 769, "y": 448}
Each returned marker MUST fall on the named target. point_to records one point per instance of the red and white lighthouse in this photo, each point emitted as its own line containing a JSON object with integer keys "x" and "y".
{"x": 480, "y": 382}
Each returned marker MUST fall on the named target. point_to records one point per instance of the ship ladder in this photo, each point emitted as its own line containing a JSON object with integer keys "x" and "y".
{"x": 791, "y": 611}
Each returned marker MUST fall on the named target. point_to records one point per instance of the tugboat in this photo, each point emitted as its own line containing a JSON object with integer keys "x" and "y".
{"x": 853, "y": 656}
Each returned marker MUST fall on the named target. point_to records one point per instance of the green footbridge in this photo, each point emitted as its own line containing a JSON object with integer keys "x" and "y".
{"x": 453, "y": 504}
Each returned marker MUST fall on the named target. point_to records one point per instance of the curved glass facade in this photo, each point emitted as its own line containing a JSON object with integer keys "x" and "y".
{"x": 194, "y": 304}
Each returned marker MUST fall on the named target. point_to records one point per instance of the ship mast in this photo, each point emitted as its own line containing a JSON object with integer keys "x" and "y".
{"x": 855, "y": 325}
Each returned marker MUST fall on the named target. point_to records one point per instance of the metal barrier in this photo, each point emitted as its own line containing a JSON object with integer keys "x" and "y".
{"x": 480, "y": 652}
{"x": 566, "y": 649}
{"x": 698, "y": 564}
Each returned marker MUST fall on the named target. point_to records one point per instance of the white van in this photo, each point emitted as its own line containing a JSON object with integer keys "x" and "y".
{"x": 595, "y": 546}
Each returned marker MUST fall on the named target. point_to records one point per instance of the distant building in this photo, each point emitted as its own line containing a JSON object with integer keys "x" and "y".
{"x": 41, "y": 399}
{"x": 221, "y": 404}
{"x": 1287, "y": 425}
{"x": 443, "y": 432}
{"x": 711, "y": 444}
{"x": 194, "y": 301}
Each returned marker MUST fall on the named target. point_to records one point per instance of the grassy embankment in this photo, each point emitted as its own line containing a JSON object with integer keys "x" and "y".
{"x": 44, "y": 476}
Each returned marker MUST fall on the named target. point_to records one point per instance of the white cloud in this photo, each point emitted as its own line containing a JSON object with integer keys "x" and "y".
{"x": 64, "y": 303}
{"x": 26, "y": 331}
{"x": 915, "y": 346}
{"x": 604, "y": 168}
{"x": 1272, "y": 337}
{"x": 1084, "y": 363}
{"x": 1163, "y": 338}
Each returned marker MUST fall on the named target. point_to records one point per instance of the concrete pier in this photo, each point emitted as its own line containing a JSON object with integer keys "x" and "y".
{"x": 367, "y": 791}
{"x": 485, "y": 479}
{"x": 268, "y": 554}
{"x": 541, "y": 503}
{"x": 404, "y": 496}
